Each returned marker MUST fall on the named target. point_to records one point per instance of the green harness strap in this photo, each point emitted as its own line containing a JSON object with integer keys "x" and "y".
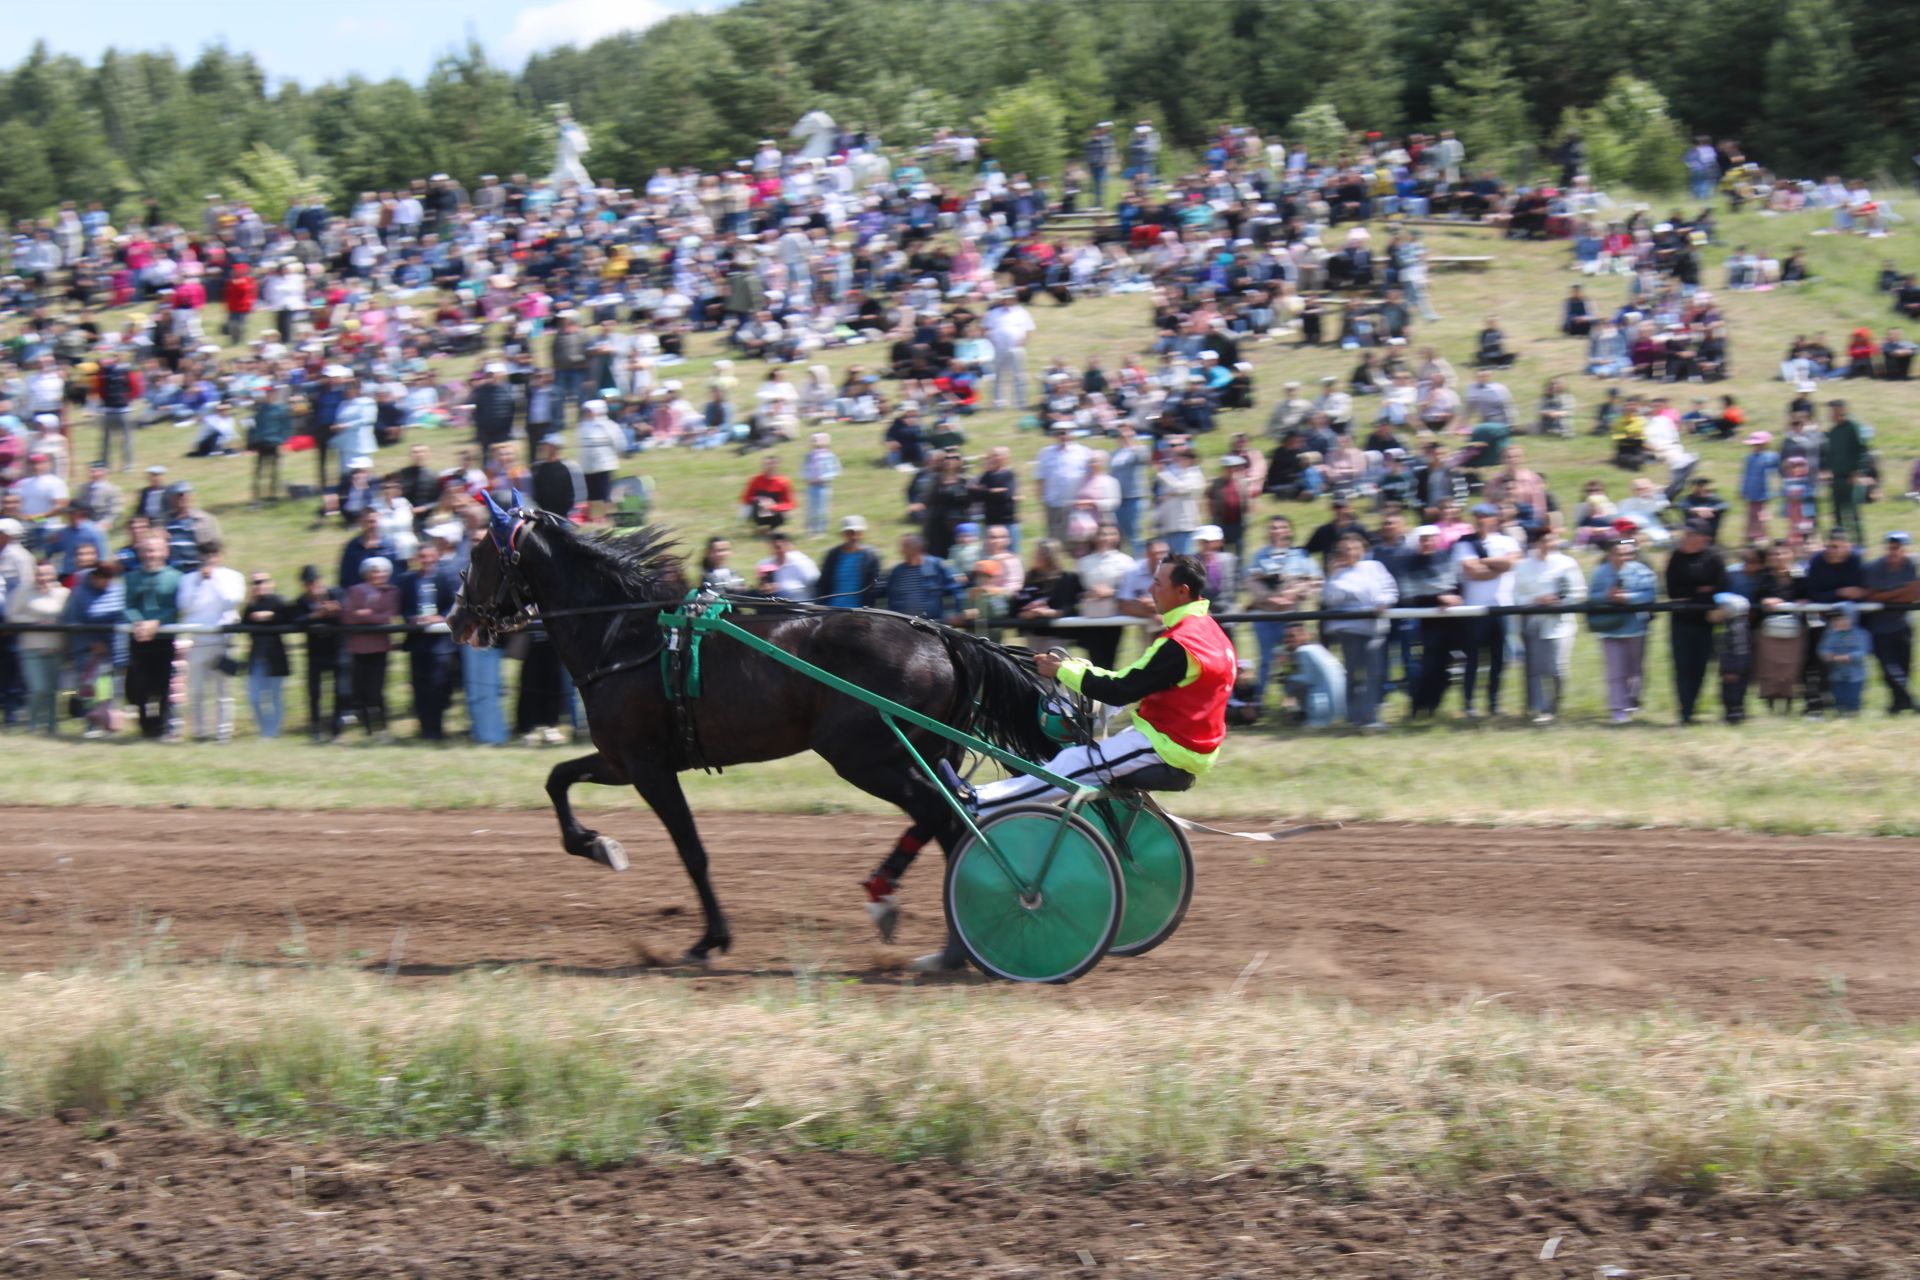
{"x": 684, "y": 622}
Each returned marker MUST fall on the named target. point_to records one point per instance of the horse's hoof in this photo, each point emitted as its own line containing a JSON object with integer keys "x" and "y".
{"x": 886, "y": 915}
{"x": 937, "y": 962}
{"x": 608, "y": 853}
{"x": 694, "y": 960}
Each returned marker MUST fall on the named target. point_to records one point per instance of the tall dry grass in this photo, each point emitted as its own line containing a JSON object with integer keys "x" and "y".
{"x": 1003, "y": 1080}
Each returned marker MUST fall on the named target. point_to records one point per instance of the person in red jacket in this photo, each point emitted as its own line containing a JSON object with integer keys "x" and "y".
{"x": 768, "y": 496}
{"x": 1178, "y": 688}
{"x": 242, "y": 292}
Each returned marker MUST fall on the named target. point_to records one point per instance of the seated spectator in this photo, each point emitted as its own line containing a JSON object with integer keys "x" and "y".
{"x": 1896, "y": 357}
{"x": 768, "y": 496}
{"x": 1491, "y": 349}
{"x": 1314, "y": 684}
{"x": 1607, "y": 351}
{"x": 1576, "y": 320}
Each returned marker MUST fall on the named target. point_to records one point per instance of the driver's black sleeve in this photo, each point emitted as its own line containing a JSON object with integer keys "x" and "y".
{"x": 1162, "y": 666}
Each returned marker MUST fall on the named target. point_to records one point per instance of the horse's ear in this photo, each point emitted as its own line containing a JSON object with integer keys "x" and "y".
{"x": 519, "y": 499}
{"x": 498, "y": 518}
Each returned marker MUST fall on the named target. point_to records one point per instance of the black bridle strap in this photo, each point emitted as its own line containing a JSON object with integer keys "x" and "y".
{"x": 627, "y": 664}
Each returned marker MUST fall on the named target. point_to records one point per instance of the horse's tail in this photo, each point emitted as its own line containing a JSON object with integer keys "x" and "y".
{"x": 1000, "y": 695}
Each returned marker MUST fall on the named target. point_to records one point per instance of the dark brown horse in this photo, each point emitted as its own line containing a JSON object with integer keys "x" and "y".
{"x": 599, "y": 598}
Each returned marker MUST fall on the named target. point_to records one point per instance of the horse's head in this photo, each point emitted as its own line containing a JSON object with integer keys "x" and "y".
{"x": 494, "y": 599}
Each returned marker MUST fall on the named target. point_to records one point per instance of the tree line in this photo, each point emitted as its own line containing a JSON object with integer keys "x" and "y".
{"x": 1807, "y": 86}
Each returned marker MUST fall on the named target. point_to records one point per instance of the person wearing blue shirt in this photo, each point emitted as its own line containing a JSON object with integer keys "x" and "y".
{"x": 922, "y": 586}
{"x": 1623, "y": 578}
{"x": 1757, "y": 475}
{"x": 850, "y": 573}
{"x": 79, "y": 531}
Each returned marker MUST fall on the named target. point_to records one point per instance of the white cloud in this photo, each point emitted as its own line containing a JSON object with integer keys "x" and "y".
{"x": 577, "y": 22}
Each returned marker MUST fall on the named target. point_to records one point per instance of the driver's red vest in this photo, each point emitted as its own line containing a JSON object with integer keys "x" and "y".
{"x": 1194, "y": 714}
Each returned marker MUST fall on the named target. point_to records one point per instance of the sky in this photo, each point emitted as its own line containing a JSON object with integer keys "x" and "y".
{"x": 315, "y": 42}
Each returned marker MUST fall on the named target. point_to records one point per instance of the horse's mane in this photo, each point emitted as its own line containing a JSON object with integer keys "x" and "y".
{"x": 640, "y": 565}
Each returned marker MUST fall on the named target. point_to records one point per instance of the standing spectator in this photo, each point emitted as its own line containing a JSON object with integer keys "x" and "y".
{"x": 1780, "y": 638}
{"x": 997, "y": 490}
{"x": 1279, "y": 577}
{"x": 318, "y": 612}
{"x": 372, "y": 602}
{"x": 1101, "y": 571}
{"x": 1356, "y": 583}
{"x": 324, "y": 403}
{"x": 425, "y": 595}
{"x": 1703, "y": 169}
{"x": 819, "y": 470}
{"x": 768, "y": 496}
{"x": 118, "y": 386}
{"x": 850, "y": 573}
{"x": 922, "y": 586}
{"x": 1181, "y": 483}
{"x": 239, "y": 297}
{"x": 599, "y": 439}
{"x": 65, "y": 541}
{"x": 41, "y": 600}
{"x": 1128, "y": 464}
{"x": 788, "y": 574}
{"x": 1733, "y": 651}
{"x": 210, "y": 596}
{"x": 1227, "y": 502}
{"x": 267, "y": 666}
{"x": 1008, "y": 326}
{"x": 102, "y": 496}
{"x": 1846, "y": 459}
{"x": 269, "y": 432}
{"x": 1061, "y": 469}
{"x": 1892, "y": 580}
{"x": 99, "y": 657}
{"x": 946, "y": 498}
{"x": 1099, "y": 157}
{"x": 1835, "y": 576}
{"x": 1695, "y": 575}
{"x": 153, "y": 593}
{"x": 1843, "y": 651}
{"x": 1548, "y": 577}
{"x": 569, "y": 356}
{"x": 1757, "y": 475}
{"x": 494, "y": 405}
{"x": 557, "y": 484}
{"x": 1485, "y": 560}
{"x": 1623, "y": 579}
{"x": 285, "y": 294}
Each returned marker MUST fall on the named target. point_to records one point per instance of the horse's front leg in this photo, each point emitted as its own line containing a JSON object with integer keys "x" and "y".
{"x": 578, "y": 840}
{"x": 660, "y": 787}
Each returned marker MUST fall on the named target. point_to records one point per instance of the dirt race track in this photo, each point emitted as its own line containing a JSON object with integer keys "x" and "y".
{"x": 1386, "y": 916}
{"x": 1383, "y": 915}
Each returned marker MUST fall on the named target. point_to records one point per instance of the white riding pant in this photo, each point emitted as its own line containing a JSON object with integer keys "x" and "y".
{"x": 1116, "y": 757}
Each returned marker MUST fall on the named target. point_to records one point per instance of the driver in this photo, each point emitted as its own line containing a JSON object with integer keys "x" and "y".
{"x": 1179, "y": 685}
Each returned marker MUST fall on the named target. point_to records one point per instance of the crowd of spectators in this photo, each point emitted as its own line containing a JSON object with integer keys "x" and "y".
{"x": 525, "y": 312}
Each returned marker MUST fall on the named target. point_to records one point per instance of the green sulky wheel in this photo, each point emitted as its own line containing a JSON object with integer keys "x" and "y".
{"x": 1157, "y": 864}
{"x": 1066, "y": 926}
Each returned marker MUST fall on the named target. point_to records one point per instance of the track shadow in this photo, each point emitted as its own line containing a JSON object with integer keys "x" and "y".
{"x": 869, "y": 977}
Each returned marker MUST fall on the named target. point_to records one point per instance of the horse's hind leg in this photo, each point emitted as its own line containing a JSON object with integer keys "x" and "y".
{"x": 578, "y": 840}
{"x": 660, "y": 788}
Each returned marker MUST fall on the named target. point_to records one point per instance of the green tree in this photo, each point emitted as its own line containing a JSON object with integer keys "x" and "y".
{"x": 26, "y": 179}
{"x": 1812, "y": 115}
{"x": 1631, "y": 138}
{"x": 270, "y": 180}
{"x": 1026, "y": 130}
{"x": 1482, "y": 103}
{"x": 1320, "y": 130}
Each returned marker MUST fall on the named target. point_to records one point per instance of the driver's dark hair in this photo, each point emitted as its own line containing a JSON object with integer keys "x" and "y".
{"x": 1186, "y": 571}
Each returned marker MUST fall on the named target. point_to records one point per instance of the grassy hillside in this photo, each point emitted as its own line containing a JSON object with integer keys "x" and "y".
{"x": 696, "y": 492}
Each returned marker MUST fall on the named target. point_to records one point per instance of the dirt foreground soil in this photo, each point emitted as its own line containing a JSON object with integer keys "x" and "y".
{"x": 176, "y": 1203}
{"x": 1728, "y": 924}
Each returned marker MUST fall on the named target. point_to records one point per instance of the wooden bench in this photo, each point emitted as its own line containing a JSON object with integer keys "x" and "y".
{"x": 1461, "y": 262}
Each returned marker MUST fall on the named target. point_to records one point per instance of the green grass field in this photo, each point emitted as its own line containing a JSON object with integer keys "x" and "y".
{"x": 1785, "y": 777}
